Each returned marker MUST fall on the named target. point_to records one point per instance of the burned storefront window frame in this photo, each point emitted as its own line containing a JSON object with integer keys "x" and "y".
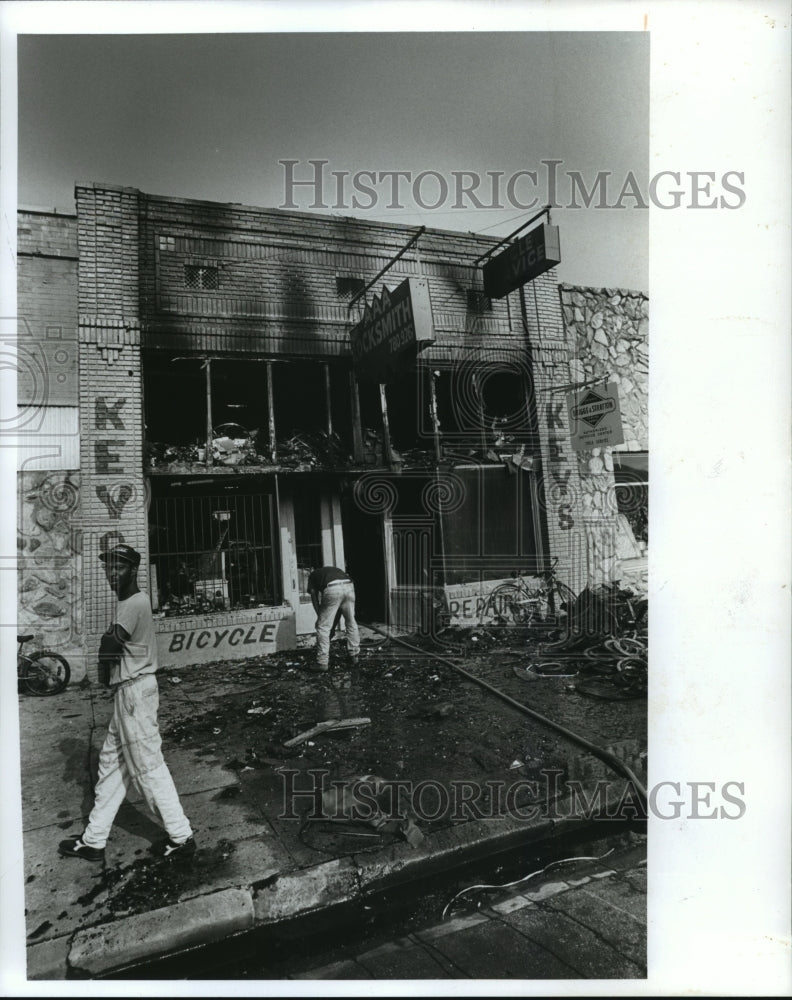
{"x": 253, "y": 432}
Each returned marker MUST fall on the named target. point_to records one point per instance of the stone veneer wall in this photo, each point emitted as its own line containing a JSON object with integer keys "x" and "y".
{"x": 49, "y": 563}
{"x": 609, "y": 328}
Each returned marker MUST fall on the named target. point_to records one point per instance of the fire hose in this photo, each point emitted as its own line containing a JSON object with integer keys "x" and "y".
{"x": 604, "y": 755}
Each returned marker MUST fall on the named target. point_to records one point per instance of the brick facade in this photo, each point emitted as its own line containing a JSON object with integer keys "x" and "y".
{"x": 111, "y": 393}
{"x": 214, "y": 280}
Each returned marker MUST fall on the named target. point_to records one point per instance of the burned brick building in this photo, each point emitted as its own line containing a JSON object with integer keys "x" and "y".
{"x": 189, "y": 385}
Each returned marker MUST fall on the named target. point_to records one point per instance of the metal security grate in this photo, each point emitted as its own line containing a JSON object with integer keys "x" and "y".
{"x": 212, "y": 553}
{"x": 200, "y": 276}
{"x": 348, "y": 285}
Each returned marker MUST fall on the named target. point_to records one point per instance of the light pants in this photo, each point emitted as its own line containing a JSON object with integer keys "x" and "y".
{"x": 334, "y": 597}
{"x": 132, "y": 755}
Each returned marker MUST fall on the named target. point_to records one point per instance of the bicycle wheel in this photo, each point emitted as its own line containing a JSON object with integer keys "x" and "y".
{"x": 46, "y": 673}
{"x": 565, "y": 596}
{"x": 508, "y": 606}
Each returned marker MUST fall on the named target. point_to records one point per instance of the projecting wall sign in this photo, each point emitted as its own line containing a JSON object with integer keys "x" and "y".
{"x": 393, "y": 327}
{"x": 524, "y": 260}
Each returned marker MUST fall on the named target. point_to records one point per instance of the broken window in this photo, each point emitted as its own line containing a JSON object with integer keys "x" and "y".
{"x": 631, "y": 473}
{"x": 240, "y": 412}
{"x": 347, "y": 285}
{"x": 211, "y": 546}
{"x": 231, "y": 406}
{"x": 409, "y": 415}
{"x": 371, "y": 422}
{"x": 303, "y": 417}
{"x": 228, "y": 399}
{"x": 478, "y": 302}
{"x": 341, "y": 406}
{"x": 174, "y": 433}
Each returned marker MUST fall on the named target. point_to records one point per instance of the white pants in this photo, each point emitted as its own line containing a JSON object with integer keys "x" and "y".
{"x": 334, "y": 597}
{"x": 132, "y": 754}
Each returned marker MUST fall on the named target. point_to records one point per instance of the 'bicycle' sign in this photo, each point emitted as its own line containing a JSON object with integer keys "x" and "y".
{"x": 595, "y": 417}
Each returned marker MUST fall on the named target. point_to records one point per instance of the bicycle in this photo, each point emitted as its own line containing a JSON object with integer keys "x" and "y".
{"x": 43, "y": 673}
{"x": 520, "y": 603}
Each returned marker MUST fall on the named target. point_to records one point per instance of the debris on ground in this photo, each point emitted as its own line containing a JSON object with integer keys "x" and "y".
{"x": 369, "y": 799}
{"x": 329, "y": 725}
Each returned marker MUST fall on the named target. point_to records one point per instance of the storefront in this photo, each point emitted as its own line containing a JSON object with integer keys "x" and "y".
{"x": 227, "y": 429}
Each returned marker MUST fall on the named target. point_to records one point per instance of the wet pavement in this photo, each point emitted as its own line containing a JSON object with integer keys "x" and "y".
{"x": 474, "y": 771}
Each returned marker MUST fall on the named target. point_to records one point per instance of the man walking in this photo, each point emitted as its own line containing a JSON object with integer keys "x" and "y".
{"x": 132, "y": 752}
{"x": 332, "y": 591}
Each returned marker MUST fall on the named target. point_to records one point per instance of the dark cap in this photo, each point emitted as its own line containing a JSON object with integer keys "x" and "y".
{"x": 123, "y": 552}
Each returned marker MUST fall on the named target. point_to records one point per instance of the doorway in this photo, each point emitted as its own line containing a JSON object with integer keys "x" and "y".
{"x": 364, "y": 552}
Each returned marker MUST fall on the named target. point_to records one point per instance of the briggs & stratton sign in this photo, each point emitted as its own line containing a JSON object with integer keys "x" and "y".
{"x": 595, "y": 417}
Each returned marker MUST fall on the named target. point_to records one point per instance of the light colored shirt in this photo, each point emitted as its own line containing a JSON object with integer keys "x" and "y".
{"x": 140, "y": 650}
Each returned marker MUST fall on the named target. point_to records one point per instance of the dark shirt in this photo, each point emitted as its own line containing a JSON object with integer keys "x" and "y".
{"x": 320, "y": 578}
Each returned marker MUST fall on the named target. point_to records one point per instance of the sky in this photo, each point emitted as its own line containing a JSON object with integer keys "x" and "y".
{"x": 211, "y": 116}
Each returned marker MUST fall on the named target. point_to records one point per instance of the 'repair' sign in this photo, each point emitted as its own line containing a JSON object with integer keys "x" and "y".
{"x": 394, "y": 326}
{"x": 527, "y": 258}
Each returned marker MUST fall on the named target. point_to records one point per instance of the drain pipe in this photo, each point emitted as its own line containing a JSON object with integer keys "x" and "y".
{"x": 604, "y": 755}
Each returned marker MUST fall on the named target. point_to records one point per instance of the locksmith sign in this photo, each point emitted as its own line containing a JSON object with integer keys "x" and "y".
{"x": 595, "y": 417}
{"x": 524, "y": 260}
{"x": 394, "y": 326}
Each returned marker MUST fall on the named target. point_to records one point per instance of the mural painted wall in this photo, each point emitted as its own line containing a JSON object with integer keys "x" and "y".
{"x": 49, "y": 560}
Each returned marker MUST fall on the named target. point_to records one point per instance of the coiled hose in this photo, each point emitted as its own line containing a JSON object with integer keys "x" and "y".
{"x": 604, "y": 755}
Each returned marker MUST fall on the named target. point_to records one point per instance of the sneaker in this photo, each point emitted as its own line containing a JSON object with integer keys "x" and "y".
{"x": 169, "y": 848}
{"x": 75, "y": 847}
{"x": 318, "y": 668}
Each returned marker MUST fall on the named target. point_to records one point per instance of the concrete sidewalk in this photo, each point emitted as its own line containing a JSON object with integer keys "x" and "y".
{"x": 254, "y": 868}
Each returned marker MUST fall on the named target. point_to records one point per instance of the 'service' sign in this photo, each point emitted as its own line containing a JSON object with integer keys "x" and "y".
{"x": 527, "y": 258}
{"x": 393, "y": 326}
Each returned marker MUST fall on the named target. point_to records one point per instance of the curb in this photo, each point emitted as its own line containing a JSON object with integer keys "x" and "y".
{"x": 201, "y": 920}
{"x": 207, "y": 919}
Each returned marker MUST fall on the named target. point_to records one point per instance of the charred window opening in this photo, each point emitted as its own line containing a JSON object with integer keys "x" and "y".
{"x": 409, "y": 418}
{"x": 239, "y": 400}
{"x": 341, "y": 404}
{"x": 299, "y": 398}
{"x": 478, "y": 302}
{"x": 347, "y": 286}
{"x": 180, "y": 402}
{"x": 504, "y": 402}
{"x": 371, "y": 422}
{"x": 457, "y": 412}
{"x": 211, "y": 546}
{"x": 168, "y": 379}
